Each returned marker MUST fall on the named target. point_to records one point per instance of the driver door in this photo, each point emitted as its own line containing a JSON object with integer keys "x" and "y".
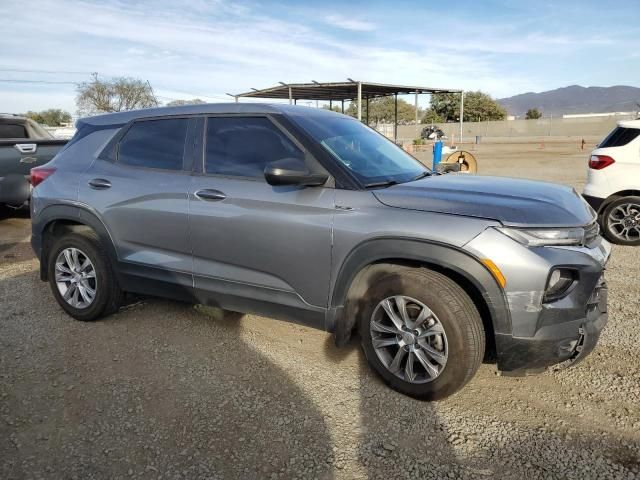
{"x": 257, "y": 246}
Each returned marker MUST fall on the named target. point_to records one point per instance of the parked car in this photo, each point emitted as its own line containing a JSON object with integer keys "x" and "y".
{"x": 613, "y": 183}
{"x": 23, "y": 145}
{"x": 310, "y": 216}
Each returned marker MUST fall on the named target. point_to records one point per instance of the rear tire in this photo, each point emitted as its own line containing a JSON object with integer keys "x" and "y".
{"x": 71, "y": 285}
{"x": 444, "y": 340}
{"x": 621, "y": 221}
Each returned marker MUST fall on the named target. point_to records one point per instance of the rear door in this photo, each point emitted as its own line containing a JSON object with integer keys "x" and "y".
{"x": 142, "y": 198}
{"x": 268, "y": 244}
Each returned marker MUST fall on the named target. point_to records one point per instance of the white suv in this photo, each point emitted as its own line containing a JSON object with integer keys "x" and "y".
{"x": 613, "y": 183}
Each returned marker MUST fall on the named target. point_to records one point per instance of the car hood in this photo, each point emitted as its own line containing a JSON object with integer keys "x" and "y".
{"x": 511, "y": 201}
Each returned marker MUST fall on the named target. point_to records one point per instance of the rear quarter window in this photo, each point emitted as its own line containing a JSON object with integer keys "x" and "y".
{"x": 156, "y": 144}
{"x": 620, "y": 137}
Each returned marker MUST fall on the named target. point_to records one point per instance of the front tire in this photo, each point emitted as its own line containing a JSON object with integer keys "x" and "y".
{"x": 81, "y": 277}
{"x": 421, "y": 333}
{"x": 621, "y": 221}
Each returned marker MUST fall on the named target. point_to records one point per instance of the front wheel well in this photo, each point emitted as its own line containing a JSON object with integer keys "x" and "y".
{"x": 367, "y": 276}
{"x": 52, "y": 231}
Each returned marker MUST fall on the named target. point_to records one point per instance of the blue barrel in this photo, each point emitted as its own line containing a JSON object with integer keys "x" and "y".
{"x": 437, "y": 153}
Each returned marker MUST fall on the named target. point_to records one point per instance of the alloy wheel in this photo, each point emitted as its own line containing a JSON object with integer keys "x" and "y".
{"x": 75, "y": 278}
{"x": 624, "y": 222}
{"x": 409, "y": 339}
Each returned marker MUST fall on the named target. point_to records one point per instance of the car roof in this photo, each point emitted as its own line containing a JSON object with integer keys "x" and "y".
{"x": 120, "y": 118}
{"x": 629, "y": 123}
{"x": 11, "y": 118}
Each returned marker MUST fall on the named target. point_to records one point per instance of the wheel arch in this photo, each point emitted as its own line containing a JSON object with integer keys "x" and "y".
{"x": 616, "y": 196}
{"x": 56, "y": 220}
{"x": 373, "y": 257}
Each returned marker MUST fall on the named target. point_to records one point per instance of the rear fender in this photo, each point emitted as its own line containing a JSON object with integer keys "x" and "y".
{"x": 73, "y": 217}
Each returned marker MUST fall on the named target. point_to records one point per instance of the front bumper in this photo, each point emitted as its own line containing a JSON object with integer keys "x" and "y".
{"x": 560, "y": 345}
{"x": 542, "y": 334}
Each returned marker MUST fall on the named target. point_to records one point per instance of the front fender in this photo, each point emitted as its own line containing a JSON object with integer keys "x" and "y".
{"x": 439, "y": 256}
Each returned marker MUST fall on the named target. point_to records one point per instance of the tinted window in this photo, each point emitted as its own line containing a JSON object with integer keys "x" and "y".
{"x": 370, "y": 156}
{"x": 619, "y": 137}
{"x": 245, "y": 146}
{"x": 154, "y": 144}
{"x": 10, "y": 130}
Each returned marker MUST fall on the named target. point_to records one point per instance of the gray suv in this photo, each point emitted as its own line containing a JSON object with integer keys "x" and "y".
{"x": 310, "y": 216}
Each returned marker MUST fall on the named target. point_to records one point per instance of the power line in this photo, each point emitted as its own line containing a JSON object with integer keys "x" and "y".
{"x": 53, "y": 82}
{"x": 36, "y": 81}
{"x": 44, "y": 71}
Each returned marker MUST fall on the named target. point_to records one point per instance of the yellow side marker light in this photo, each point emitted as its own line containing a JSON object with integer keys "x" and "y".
{"x": 495, "y": 271}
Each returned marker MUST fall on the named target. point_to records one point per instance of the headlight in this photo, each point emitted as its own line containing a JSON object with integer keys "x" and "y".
{"x": 541, "y": 237}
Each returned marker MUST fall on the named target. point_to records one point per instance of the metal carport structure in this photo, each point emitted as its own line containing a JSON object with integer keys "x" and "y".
{"x": 351, "y": 90}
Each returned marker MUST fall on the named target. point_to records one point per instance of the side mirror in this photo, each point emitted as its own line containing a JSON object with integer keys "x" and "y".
{"x": 287, "y": 172}
{"x": 443, "y": 168}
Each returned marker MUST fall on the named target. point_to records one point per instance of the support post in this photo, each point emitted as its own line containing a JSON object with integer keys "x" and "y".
{"x": 360, "y": 101}
{"x": 367, "y": 116}
{"x": 461, "y": 114}
{"x": 331, "y": 105}
{"x": 342, "y": 101}
{"x": 236, "y": 99}
{"x": 290, "y": 96}
{"x": 295, "y": 101}
{"x": 395, "y": 117}
{"x": 416, "y": 106}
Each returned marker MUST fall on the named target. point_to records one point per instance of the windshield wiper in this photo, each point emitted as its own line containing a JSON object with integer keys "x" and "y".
{"x": 386, "y": 183}
{"x": 426, "y": 173}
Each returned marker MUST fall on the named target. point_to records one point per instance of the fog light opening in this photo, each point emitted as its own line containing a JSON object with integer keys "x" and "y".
{"x": 559, "y": 283}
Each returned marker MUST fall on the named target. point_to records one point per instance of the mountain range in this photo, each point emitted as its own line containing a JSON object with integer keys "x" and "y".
{"x": 575, "y": 99}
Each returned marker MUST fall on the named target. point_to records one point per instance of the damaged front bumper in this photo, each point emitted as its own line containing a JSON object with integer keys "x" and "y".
{"x": 558, "y": 345}
{"x": 557, "y": 333}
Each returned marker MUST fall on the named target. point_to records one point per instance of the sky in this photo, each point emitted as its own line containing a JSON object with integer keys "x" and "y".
{"x": 207, "y": 48}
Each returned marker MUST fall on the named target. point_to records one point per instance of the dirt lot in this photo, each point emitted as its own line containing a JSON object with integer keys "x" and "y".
{"x": 168, "y": 390}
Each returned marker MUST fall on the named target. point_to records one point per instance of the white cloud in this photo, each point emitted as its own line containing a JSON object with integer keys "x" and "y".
{"x": 207, "y": 48}
{"x": 347, "y": 23}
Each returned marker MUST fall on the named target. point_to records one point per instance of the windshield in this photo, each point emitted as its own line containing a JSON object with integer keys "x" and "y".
{"x": 373, "y": 159}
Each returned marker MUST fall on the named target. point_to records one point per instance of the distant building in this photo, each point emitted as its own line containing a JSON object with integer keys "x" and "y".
{"x": 606, "y": 114}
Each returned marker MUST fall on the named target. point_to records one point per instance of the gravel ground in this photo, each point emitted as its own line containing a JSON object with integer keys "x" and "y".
{"x": 169, "y": 390}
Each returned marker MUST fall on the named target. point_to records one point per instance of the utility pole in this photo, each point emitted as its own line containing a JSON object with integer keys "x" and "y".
{"x": 360, "y": 101}
{"x": 461, "y": 114}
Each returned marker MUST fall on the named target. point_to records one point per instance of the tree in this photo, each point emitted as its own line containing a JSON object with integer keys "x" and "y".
{"x": 115, "y": 95}
{"x": 533, "y": 114}
{"x": 381, "y": 110}
{"x": 430, "y": 116}
{"x": 478, "y": 106}
{"x": 54, "y": 117}
{"x": 179, "y": 103}
{"x": 334, "y": 108}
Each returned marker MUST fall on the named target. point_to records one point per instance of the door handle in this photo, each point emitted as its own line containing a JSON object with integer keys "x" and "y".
{"x": 26, "y": 147}
{"x": 99, "y": 184}
{"x": 210, "y": 195}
